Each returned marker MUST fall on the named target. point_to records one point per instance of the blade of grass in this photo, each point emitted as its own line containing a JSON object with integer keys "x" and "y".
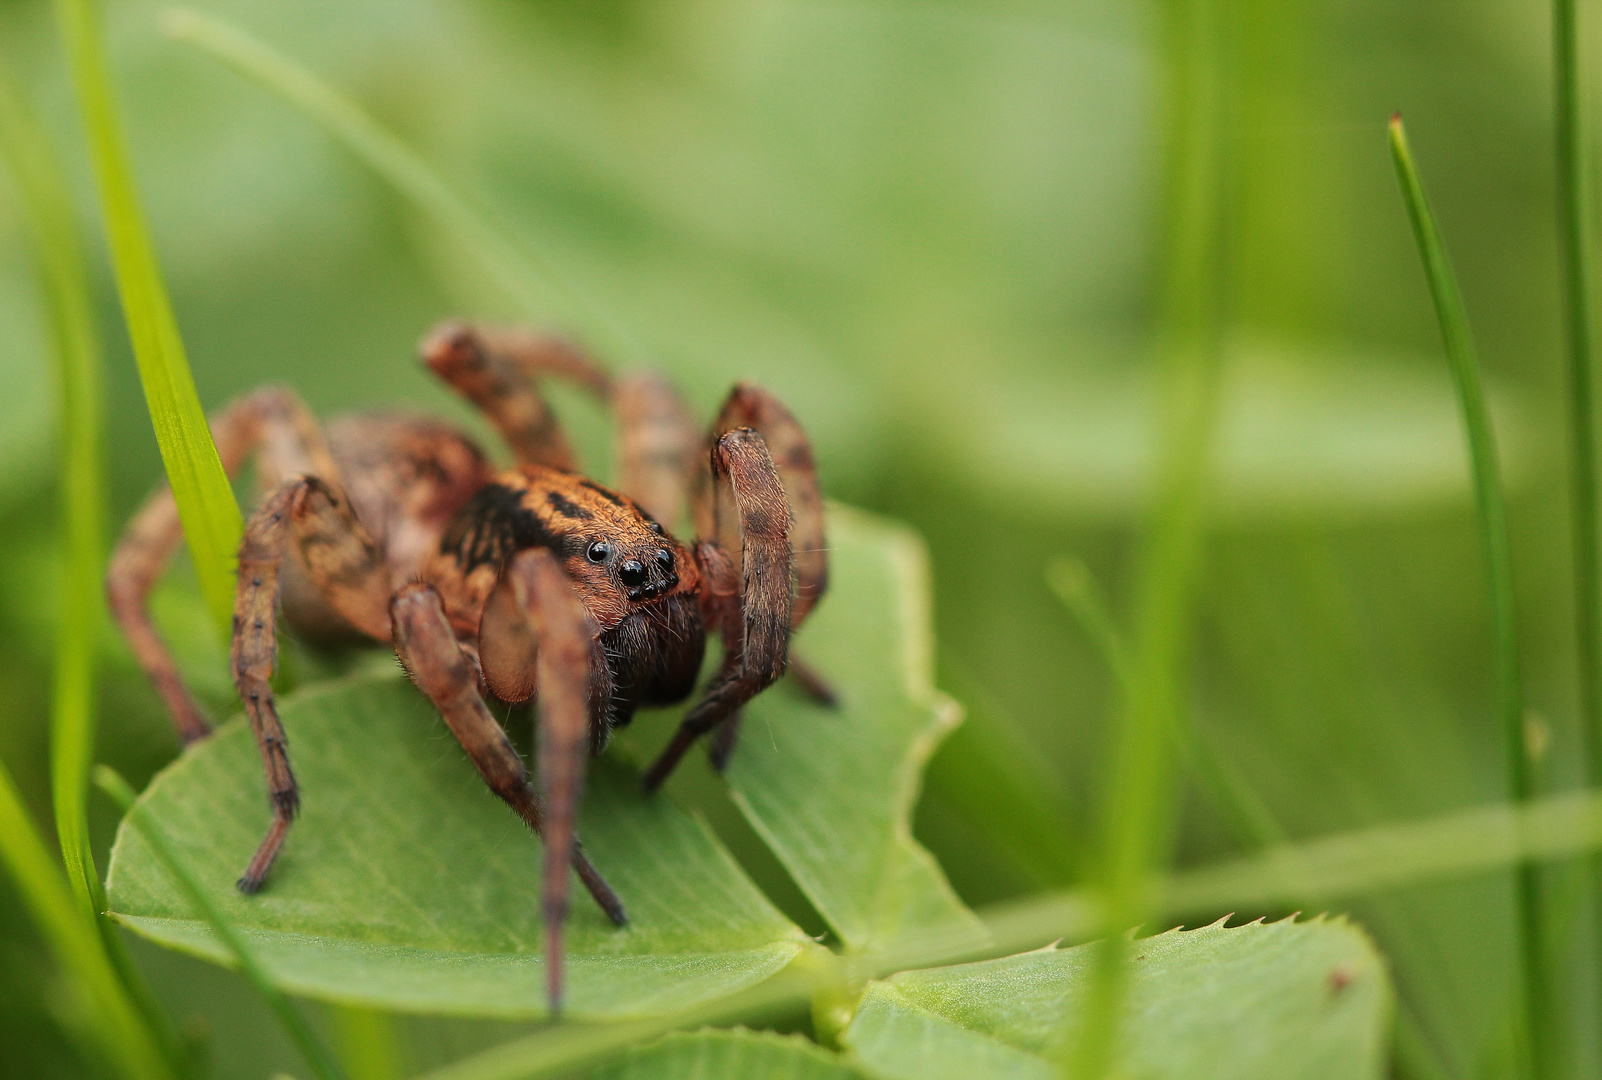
{"x": 65, "y": 289}
{"x": 1492, "y": 513}
{"x": 77, "y": 360}
{"x": 367, "y": 1042}
{"x": 1573, "y": 228}
{"x": 1139, "y": 809}
{"x": 1572, "y": 222}
{"x": 1231, "y": 798}
{"x": 535, "y": 284}
{"x": 114, "y": 1025}
{"x": 1247, "y": 816}
{"x": 316, "y": 1055}
{"x": 206, "y": 505}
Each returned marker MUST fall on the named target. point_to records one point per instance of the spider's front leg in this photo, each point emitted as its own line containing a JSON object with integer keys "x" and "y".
{"x": 344, "y": 564}
{"x": 269, "y": 423}
{"x": 756, "y": 621}
{"x": 552, "y": 637}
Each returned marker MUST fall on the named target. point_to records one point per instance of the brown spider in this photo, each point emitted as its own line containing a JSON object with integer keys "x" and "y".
{"x": 529, "y": 582}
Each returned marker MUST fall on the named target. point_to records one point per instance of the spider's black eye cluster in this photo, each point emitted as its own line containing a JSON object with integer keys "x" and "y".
{"x": 641, "y": 582}
{"x": 599, "y": 551}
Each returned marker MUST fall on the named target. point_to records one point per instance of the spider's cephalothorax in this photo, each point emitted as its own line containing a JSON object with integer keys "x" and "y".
{"x": 532, "y": 583}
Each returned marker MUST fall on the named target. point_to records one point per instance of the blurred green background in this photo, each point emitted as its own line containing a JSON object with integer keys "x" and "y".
{"x": 932, "y": 228}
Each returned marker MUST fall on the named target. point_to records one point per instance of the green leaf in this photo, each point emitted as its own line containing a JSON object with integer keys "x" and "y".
{"x": 750, "y": 1055}
{"x": 206, "y": 506}
{"x": 831, "y": 791}
{"x": 407, "y": 885}
{"x": 1282, "y": 1001}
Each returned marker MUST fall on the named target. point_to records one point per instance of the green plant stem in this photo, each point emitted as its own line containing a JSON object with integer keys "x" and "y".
{"x": 1492, "y": 512}
{"x": 534, "y": 284}
{"x": 1139, "y": 809}
{"x": 316, "y": 1055}
{"x": 77, "y": 365}
{"x": 206, "y": 505}
{"x": 1231, "y": 798}
{"x": 1572, "y": 221}
{"x": 68, "y": 305}
{"x": 114, "y": 1025}
{"x": 1247, "y": 816}
{"x": 367, "y": 1042}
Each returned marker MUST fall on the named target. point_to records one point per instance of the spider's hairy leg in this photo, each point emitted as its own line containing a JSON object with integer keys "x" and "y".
{"x": 657, "y": 446}
{"x": 286, "y": 440}
{"x": 757, "y": 635}
{"x": 429, "y": 650}
{"x": 343, "y": 563}
{"x": 496, "y": 369}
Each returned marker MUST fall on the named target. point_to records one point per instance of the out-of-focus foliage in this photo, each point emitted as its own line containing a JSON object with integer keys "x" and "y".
{"x": 930, "y": 228}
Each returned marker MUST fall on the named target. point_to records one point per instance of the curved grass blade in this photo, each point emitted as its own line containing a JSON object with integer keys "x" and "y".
{"x": 311, "y": 1048}
{"x": 75, "y": 339}
{"x": 1492, "y": 513}
{"x": 206, "y": 505}
{"x": 77, "y": 358}
{"x": 113, "y": 1023}
{"x": 538, "y": 287}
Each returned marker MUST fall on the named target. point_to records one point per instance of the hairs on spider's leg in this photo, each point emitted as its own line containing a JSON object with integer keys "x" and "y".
{"x": 756, "y": 654}
{"x": 565, "y": 632}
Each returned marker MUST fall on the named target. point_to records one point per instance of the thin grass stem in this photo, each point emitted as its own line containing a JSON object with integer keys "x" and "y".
{"x": 317, "y": 1056}
{"x": 206, "y": 505}
{"x": 1573, "y": 229}
{"x": 1139, "y": 792}
{"x": 537, "y": 286}
{"x": 1240, "y": 809}
{"x": 113, "y": 1025}
{"x": 367, "y": 1041}
{"x": 78, "y": 408}
{"x": 1492, "y": 513}
{"x": 42, "y": 188}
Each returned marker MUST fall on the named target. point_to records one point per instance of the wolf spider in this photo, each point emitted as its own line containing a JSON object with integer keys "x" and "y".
{"x": 517, "y": 584}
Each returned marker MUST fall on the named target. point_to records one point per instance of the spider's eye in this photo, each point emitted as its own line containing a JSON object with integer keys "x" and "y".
{"x": 664, "y": 559}
{"x": 656, "y": 527}
{"x": 632, "y": 573}
{"x": 599, "y": 551}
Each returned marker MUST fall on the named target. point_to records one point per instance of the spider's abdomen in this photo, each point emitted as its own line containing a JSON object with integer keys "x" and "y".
{"x": 618, "y": 557}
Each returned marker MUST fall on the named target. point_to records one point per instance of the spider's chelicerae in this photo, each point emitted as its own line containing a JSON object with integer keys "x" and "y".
{"x": 532, "y": 582}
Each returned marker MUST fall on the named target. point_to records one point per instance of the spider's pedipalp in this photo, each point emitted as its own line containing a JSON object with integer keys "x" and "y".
{"x": 565, "y": 632}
